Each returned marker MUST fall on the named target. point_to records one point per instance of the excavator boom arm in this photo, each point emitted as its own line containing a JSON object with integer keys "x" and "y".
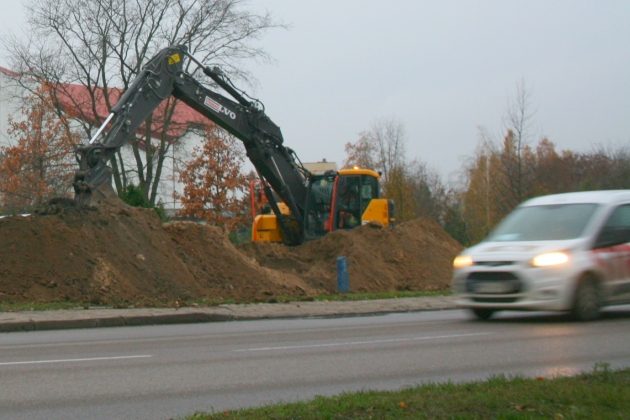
{"x": 164, "y": 76}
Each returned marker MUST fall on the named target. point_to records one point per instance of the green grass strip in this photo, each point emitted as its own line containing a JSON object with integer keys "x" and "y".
{"x": 600, "y": 394}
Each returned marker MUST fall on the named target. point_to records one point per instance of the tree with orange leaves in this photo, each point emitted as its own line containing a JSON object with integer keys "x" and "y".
{"x": 214, "y": 187}
{"x": 40, "y": 164}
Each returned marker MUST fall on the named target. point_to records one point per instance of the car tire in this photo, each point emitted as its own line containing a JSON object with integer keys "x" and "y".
{"x": 587, "y": 301}
{"x": 483, "y": 314}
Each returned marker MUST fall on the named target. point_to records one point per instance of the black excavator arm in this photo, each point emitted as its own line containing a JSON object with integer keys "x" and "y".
{"x": 164, "y": 76}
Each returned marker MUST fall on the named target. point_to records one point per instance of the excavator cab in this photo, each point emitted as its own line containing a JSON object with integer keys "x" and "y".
{"x": 356, "y": 200}
{"x": 355, "y": 190}
{"x": 335, "y": 200}
{"x": 344, "y": 200}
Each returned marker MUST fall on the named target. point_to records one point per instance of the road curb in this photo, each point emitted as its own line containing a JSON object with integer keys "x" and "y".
{"x": 116, "y": 321}
{"x": 96, "y": 318}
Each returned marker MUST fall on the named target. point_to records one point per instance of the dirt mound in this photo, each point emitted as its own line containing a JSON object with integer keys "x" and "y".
{"x": 117, "y": 255}
{"x": 125, "y": 256}
{"x": 414, "y": 255}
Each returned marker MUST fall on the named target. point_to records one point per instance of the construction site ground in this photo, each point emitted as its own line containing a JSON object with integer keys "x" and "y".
{"x": 125, "y": 258}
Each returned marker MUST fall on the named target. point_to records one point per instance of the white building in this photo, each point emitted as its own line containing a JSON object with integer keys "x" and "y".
{"x": 10, "y": 103}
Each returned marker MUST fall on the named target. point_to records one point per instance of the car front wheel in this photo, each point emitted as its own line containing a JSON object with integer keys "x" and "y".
{"x": 483, "y": 313}
{"x": 587, "y": 300}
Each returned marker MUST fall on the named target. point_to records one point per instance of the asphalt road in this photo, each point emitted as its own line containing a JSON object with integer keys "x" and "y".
{"x": 175, "y": 370}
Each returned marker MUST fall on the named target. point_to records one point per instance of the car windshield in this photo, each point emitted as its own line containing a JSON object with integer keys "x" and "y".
{"x": 544, "y": 223}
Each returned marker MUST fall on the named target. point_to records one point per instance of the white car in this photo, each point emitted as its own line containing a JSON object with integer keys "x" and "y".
{"x": 563, "y": 252}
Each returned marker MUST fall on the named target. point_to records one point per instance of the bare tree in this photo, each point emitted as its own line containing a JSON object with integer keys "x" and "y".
{"x": 509, "y": 173}
{"x": 381, "y": 148}
{"x": 388, "y": 138}
{"x": 518, "y": 121}
{"x": 360, "y": 153}
{"x": 100, "y": 46}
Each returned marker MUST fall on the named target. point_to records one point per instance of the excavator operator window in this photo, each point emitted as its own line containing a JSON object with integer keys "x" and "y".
{"x": 354, "y": 194}
{"x": 349, "y": 202}
{"x": 369, "y": 190}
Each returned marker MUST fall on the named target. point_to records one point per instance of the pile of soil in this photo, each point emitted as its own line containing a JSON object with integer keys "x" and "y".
{"x": 414, "y": 255}
{"x": 123, "y": 256}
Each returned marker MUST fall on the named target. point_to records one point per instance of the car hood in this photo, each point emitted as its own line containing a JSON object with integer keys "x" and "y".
{"x": 516, "y": 251}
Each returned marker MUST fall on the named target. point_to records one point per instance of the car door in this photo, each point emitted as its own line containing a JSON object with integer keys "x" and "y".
{"x": 612, "y": 252}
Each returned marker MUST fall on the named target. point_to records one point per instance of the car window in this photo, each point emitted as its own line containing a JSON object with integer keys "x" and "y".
{"x": 620, "y": 217}
{"x": 616, "y": 230}
{"x": 543, "y": 223}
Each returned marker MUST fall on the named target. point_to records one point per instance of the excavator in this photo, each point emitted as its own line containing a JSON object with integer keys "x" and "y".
{"x": 303, "y": 205}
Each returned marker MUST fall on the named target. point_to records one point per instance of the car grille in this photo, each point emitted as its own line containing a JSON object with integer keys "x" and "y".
{"x": 493, "y": 263}
{"x": 490, "y": 284}
{"x": 491, "y": 299}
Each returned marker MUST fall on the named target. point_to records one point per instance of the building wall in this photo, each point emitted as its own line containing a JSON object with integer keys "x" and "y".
{"x": 9, "y": 104}
{"x": 173, "y": 163}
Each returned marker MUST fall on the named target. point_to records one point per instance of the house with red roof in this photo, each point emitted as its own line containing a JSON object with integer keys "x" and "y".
{"x": 76, "y": 101}
{"x": 182, "y": 133}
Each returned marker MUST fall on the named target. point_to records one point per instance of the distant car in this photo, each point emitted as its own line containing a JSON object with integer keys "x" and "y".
{"x": 563, "y": 252}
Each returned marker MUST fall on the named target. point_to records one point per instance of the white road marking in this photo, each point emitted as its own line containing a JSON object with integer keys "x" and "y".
{"x": 87, "y": 359}
{"x": 359, "y": 343}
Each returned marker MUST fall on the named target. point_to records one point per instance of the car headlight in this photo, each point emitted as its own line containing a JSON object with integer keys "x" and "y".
{"x": 549, "y": 259}
{"x": 462, "y": 261}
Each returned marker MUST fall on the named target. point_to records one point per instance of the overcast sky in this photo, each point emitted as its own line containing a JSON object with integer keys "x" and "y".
{"x": 442, "y": 68}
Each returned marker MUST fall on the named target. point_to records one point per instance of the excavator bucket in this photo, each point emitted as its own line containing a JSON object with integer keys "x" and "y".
{"x": 85, "y": 195}
{"x": 93, "y": 181}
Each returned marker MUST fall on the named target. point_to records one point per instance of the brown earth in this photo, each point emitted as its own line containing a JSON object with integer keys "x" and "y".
{"x": 123, "y": 256}
{"x": 414, "y": 255}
